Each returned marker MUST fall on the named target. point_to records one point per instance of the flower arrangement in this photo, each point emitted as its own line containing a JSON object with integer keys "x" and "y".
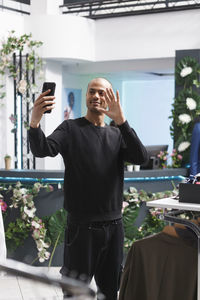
{"x": 26, "y": 86}
{"x": 23, "y": 199}
{"x": 176, "y": 159}
{"x": 47, "y": 232}
{"x": 50, "y": 229}
{"x": 185, "y": 107}
{"x": 163, "y": 159}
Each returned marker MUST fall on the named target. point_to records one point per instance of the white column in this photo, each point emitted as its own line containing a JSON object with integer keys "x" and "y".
{"x": 52, "y": 120}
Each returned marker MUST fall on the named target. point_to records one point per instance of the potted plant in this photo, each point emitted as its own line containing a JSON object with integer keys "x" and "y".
{"x": 129, "y": 166}
{"x": 7, "y": 159}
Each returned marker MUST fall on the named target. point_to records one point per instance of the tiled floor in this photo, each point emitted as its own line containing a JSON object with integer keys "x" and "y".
{"x": 18, "y": 288}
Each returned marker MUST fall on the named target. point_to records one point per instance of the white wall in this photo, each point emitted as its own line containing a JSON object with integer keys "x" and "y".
{"x": 135, "y": 37}
{"x": 147, "y": 36}
{"x": 147, "y": 106}
{"x": 10, "y": 21}
{"x": 64, "y": 37}
{"x": 6, "y": 136}
{"x": 52, "y": 120}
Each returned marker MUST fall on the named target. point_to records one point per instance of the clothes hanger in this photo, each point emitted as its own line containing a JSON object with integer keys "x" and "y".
{"x": 171, "y": 229}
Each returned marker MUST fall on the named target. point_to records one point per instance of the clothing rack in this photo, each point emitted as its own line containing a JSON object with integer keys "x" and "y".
{"x": 174, "y": 217}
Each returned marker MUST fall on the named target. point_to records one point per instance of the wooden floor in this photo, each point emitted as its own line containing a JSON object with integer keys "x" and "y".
{"x": 18, "y": 288}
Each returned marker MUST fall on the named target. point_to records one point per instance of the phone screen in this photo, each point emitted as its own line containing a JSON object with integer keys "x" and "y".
{"x": 52, "y": 87}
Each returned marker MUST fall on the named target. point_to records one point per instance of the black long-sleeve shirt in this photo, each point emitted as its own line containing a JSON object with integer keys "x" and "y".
{"x": 94, "y": 165}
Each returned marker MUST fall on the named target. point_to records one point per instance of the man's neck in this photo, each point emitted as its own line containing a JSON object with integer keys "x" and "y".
{"x": 97, "y": 120}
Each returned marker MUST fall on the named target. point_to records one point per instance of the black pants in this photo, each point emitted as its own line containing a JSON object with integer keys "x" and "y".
{"x": 95, "y": 249}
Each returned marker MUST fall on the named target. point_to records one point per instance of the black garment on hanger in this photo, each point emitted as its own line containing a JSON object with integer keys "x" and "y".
{"x": 160, "y": 267}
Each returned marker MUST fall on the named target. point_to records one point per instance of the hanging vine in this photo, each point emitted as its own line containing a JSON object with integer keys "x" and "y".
{"x": 26, "y": 87}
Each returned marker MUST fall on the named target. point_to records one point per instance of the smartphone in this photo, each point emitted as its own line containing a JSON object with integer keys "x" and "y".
{"x": 52, "y": 87}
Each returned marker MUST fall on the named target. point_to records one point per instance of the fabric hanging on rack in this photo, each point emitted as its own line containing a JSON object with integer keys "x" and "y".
{"x": 161, "y": 267}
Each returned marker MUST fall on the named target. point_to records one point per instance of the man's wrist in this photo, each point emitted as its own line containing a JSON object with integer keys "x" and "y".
{"x": 120, "y": 121}
{"x": 34, "y": 124}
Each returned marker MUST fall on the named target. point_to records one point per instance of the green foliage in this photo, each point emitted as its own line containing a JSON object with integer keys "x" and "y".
{"x": 16, "y": 233}
{"x": 56, "y": 225}
{"x": 25, "y": 46}
{"x": 52, "y": 228}
{"x": 129, "y": 217}
{"x": 13, "y": 44}
{"x": 186, "y": 105}
{"x": 151, "y": 224}
{"x": 187, "y": 81}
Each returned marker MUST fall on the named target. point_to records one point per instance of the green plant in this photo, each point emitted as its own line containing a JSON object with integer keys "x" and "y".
{"x": 16, "y": 233}
{"x": 7, "y": 156}
{"x": 22, "y": 74}
{"x": 22, "y": 198}
{"x": 176, "y": 159}
{"x": 186, "y": 72}
{"x": 163, "y": 155}
{"x": 49, "y": 231}
{"x": 133, "y": 202}
{"x": 186, "y": 106}
{"x": 56, "y": 225}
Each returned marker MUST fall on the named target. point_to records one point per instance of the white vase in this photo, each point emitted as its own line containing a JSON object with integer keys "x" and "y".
{"x": 130, "y": 168}
{"x": 7, "y": 163}
{"x": 137, "y": 168}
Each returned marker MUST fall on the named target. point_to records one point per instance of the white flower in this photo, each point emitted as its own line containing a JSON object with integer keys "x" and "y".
{"x": 18, "y": 184}
{"x": 36, "y": 234}
{"x": 183, "y": 146}
{"x": 184, "y": 118}
{"x": 41, "y": 259}
{"x": 41, "y": 244}
{"x": 47, "y": 255}
{"x": 186, "y": 71}
{"x": 30, "y": 212}
{"x": 35, "y": 224}
{"x": 191, "y": 103}
{"x": 22, "y": 86}
{"x": 43, "y": 255}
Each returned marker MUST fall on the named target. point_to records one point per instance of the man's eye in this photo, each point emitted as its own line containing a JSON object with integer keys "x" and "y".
{"x": 91, "y": 92}
{"x": 101, "y": 93}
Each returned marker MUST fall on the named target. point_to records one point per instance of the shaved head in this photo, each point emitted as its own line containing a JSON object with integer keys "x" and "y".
{"x": 101, "y": 80}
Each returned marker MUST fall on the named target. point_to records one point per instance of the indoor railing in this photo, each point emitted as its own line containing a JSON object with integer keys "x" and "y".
{"x": 16, "y": 6}
{"x": 97, "y": 9}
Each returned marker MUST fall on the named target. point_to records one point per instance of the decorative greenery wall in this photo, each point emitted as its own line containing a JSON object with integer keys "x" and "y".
{"x": 49, "y": 231}
{"x": 186, "y": 105}
{"x": 46, "y": 232}
{"x": 20, "y": 61}
{"x": 14, "y": 44}
{"x": 134, "y": 201}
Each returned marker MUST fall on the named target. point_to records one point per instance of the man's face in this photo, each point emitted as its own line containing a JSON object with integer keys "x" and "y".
{"x": 95, "y": 97}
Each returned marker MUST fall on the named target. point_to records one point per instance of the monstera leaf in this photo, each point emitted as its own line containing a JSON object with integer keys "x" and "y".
{"x": 129, "y": 216}
{"x": 56, "y": 226}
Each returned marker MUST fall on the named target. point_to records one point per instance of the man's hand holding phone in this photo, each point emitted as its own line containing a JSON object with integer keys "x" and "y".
{"x": 44, "y": 103}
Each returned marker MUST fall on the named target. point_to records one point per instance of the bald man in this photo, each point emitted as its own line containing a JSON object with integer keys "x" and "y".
{"x": 94, "y": 155}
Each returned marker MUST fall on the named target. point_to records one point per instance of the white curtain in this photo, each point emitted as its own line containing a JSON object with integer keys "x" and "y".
{"x": 2, "y": 239}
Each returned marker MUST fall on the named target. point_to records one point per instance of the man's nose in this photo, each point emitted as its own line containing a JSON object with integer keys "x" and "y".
{"x": 96, "y": 95}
